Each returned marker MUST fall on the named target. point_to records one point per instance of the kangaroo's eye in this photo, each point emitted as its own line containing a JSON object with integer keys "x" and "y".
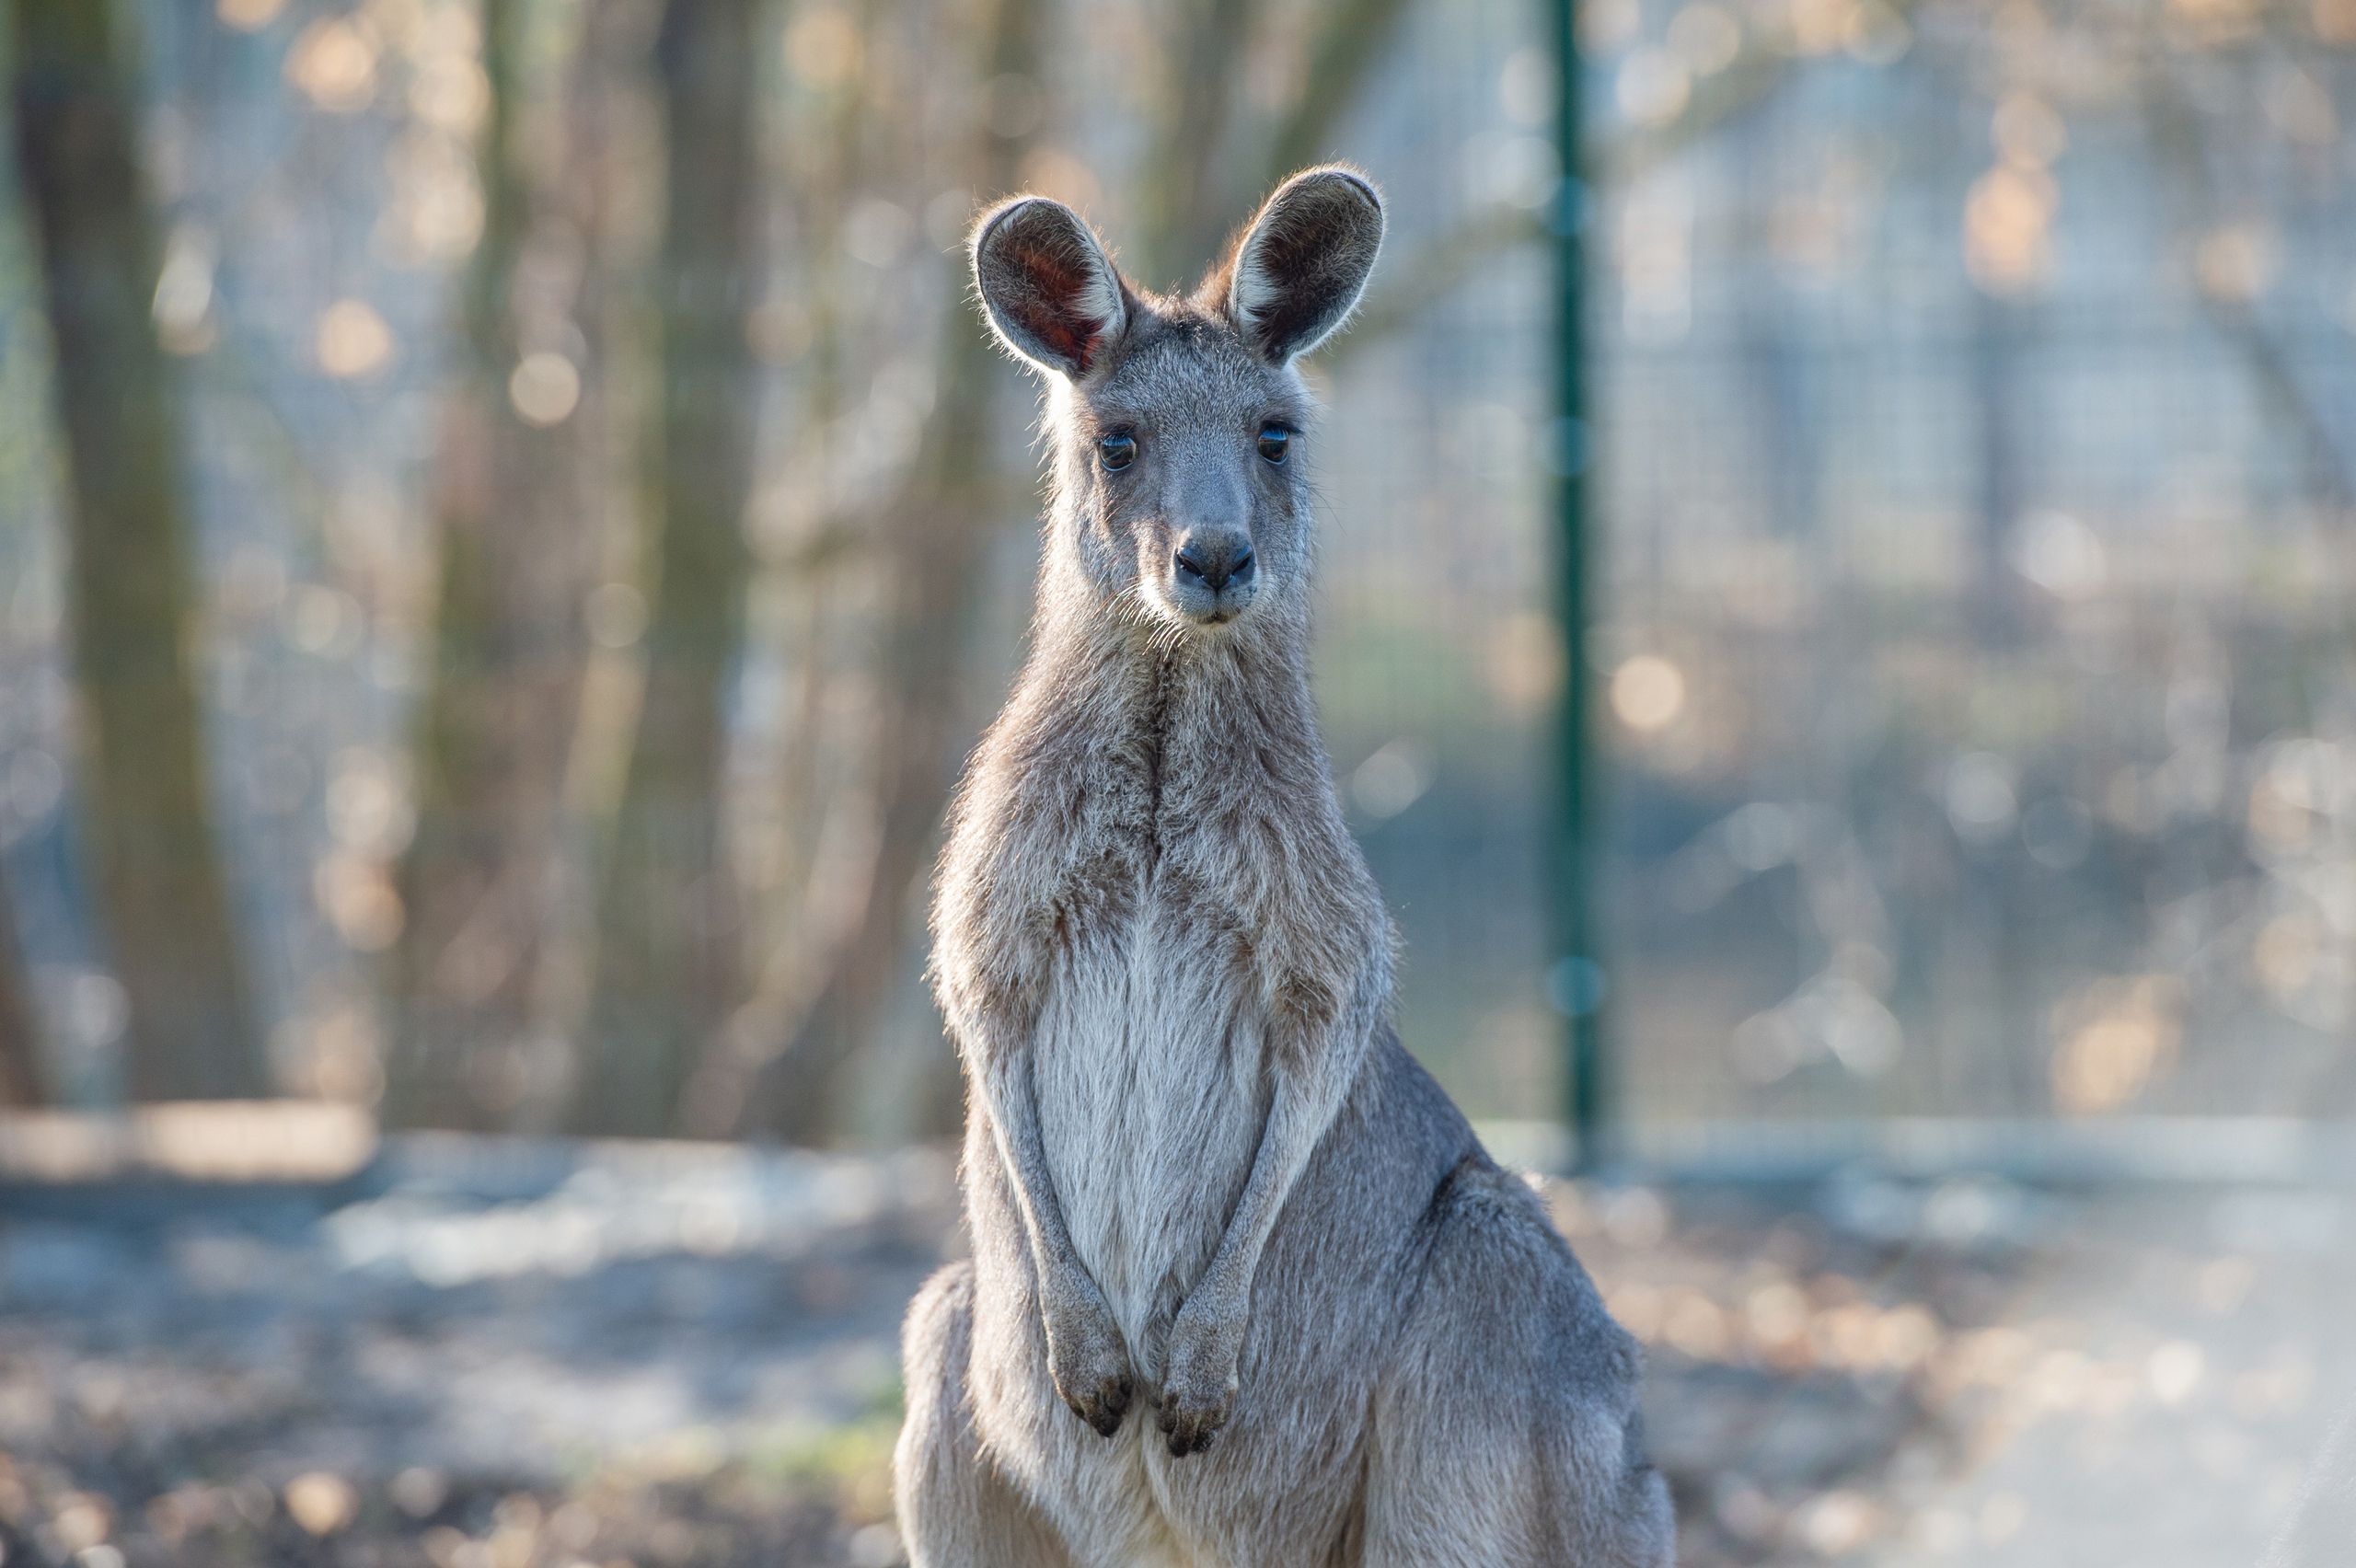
{"x": 1116, "y": 451}
{"x": 1275, "y": 440}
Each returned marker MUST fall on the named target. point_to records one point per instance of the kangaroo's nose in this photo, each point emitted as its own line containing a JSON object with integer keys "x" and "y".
{"x": 1217, "y": 563}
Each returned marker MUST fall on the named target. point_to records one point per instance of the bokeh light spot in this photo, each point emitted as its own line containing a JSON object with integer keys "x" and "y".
{"x": 1647, "y": 693}
{"x": 352, "y": 341}
{"x": 544, "y": 388}
{"x": 333, "y": 62}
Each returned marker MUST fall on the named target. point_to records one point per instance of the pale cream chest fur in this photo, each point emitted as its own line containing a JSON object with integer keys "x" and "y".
{"x": 1147, "y": 1066}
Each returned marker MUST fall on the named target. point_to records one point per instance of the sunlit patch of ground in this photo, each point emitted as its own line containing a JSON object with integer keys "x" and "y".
{"x": 1973, "y": 1372}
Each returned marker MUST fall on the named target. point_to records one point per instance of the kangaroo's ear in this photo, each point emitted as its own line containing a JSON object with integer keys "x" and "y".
{"x": 1051, "y": 293}
{"x": 1300, "y": 267}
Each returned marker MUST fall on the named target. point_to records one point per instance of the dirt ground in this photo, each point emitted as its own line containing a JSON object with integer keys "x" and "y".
{"x": 506, "y": 1354}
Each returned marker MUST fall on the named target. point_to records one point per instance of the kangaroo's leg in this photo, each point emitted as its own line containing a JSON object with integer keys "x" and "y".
{"x": 957, "y": 1510}
{"x": 1565, "y": 1487}
{"x": 1086, "y": 1354}
{"x": 1506, "y": 1432}
{"x": 1310, "y": 1066}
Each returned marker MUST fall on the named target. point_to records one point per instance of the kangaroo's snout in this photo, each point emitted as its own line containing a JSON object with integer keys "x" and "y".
{"x": 1217, "y": 561}
{"x": 1213, "y": 573}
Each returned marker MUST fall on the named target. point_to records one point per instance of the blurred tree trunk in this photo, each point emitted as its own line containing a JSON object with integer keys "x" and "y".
{"x": 934, "y": 535}
{"x": 795, "y": 926}
{"x": 161, "y": 888}
{"x": 518, "y": 538}
{"x": 668, "y": 929}
{"x": 1996, "y": 608}
{"x": 20, "y": 1076}
{"x": 1182, "y": 193}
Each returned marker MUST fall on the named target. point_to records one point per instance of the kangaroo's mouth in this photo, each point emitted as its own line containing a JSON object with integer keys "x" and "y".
{"x": 1201, "y": 605}
{"x": 1230, "y": 609}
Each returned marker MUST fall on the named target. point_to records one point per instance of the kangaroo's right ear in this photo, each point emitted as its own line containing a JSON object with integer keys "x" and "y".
{"x": 1051, "y": 293}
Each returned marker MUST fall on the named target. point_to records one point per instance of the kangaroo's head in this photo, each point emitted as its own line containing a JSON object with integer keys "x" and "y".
{"x": 1176, "y": 424}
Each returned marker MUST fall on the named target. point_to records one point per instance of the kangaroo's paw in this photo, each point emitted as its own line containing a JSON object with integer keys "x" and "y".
{"x": 1088, "y": 1360}
{"x": 1199, "y": 1384}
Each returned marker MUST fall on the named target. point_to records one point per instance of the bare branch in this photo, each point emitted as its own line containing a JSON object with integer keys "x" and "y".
{"x": 1432, "y": 273}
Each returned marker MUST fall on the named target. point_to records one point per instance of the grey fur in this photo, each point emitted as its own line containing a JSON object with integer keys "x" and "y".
{"x": 1218, "y": 1214}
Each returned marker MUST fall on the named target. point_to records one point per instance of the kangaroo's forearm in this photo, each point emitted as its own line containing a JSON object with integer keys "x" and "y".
{"x": 1290, "y": 1137}
{"x": 1086, "y": 1359}
{"x": 1010, "y": 1102}
{"x": 1310, "y": 1085}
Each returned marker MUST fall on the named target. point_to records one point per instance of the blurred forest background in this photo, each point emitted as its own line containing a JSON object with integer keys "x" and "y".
{"x": 509, "y": 525}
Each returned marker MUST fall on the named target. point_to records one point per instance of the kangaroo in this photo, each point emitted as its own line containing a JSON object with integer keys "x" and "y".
{"x": 1244, "y": 1291}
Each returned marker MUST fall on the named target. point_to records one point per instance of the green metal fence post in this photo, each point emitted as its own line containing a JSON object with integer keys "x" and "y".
{"x": 1576, "y": 981}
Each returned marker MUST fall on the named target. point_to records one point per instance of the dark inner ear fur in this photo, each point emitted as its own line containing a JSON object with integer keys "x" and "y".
{"x": 1049, "y": 287}
{"x": 1299, "y": 267}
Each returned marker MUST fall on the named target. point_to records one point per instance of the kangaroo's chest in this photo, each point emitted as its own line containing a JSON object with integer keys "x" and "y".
{"x": 1148, "y": 1066}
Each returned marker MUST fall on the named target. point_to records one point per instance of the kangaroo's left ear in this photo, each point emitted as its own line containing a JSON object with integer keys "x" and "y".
{"x": 1299, "y": 270}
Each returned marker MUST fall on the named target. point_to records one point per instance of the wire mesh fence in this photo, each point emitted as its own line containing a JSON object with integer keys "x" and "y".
{"x": 1976, "y": 418}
